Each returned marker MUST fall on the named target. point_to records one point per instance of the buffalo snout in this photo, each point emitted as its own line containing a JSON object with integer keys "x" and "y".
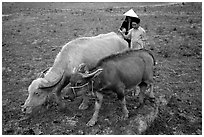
{"x": 26, "y": 109}
{"x": 23, "y": 109}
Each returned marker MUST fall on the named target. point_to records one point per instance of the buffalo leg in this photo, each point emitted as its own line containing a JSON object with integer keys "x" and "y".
{"x": 59, "y": 100}
{"x": 143, "y": 88}
{"x": 136, "y": 91}
{"x": 58, "y": 96}
{"x": 84, "y": 104}
{"x": 124, "y": 107}
{"x": 151, "y": 91}
{"x": 98, "y": 103}
{"x": 121, "y": 97}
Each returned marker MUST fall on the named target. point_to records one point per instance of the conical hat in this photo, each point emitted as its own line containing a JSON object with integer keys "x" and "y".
{"x": 131, "y": 13}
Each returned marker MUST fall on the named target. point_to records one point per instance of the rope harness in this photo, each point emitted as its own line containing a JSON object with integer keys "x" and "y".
{"x": 78, "y": 87}
{"x": 82, "y": 86}
{"x": 86, "y": 84}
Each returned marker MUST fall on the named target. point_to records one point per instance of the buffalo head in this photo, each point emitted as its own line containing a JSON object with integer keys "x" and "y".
{"x": 39, "y": 89}
{"x": 82, "y": 75}
{"x": 76, "y": 77}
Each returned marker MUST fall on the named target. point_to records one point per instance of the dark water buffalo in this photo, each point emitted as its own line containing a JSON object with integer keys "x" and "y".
{"x": 119, "y": 72}
{"x": 87, "y": 50}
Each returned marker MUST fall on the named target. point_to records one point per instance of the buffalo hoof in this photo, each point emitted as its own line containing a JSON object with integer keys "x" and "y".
{"x": 83, "y": 106}
{"x": 91, "y": 123}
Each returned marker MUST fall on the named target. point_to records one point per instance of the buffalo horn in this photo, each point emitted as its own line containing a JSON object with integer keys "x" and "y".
{"x": 83, "y": 68}
{"x": 85, "y": 75}
{"x": 42, "y": 74}
{"x": 51, "y": 79}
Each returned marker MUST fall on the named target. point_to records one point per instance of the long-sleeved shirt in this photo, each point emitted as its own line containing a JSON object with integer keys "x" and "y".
{"x": 136, "y": 36}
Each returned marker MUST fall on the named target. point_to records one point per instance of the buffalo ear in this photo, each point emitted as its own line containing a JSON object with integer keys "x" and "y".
{"x": 43, "y": 83}
{"x": 51, "y": 79}
{"x": 83, "y": 68}
{"x": 42, "y": 74}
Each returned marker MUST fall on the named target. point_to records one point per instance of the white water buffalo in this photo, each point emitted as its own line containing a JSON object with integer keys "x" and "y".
{"x": 118, "y": 72}
{"x": 87, "y": 50}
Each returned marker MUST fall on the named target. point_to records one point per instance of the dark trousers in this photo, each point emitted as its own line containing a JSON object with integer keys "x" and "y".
{"x": 129, "y": 41}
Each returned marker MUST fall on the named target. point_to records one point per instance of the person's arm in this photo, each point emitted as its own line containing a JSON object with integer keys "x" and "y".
{"x": 125, "y": 36}
{"x": 123, "y": 27}
{"x": 128, "y": 36}
{"x": 142, "y": 39}
{"x": 123, "y": 30}
{"x": 144, "y": 36}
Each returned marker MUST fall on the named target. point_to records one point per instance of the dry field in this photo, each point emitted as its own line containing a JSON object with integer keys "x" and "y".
{"x": 33, "y": 34}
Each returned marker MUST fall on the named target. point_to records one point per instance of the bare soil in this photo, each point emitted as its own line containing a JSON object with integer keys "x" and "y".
{"x": 33, "y": 34}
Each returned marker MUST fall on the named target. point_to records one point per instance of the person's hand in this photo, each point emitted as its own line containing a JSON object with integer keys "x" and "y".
{"x": 123, "y": 30}
{"x": 119, "y": 31}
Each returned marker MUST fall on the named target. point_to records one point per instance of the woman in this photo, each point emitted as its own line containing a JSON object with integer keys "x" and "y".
{"x": 136, "y": 35}
{"x": 131, "y": 16}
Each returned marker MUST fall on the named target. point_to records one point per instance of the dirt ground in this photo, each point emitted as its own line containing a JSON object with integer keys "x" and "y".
{"x": 33, "y": 34}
